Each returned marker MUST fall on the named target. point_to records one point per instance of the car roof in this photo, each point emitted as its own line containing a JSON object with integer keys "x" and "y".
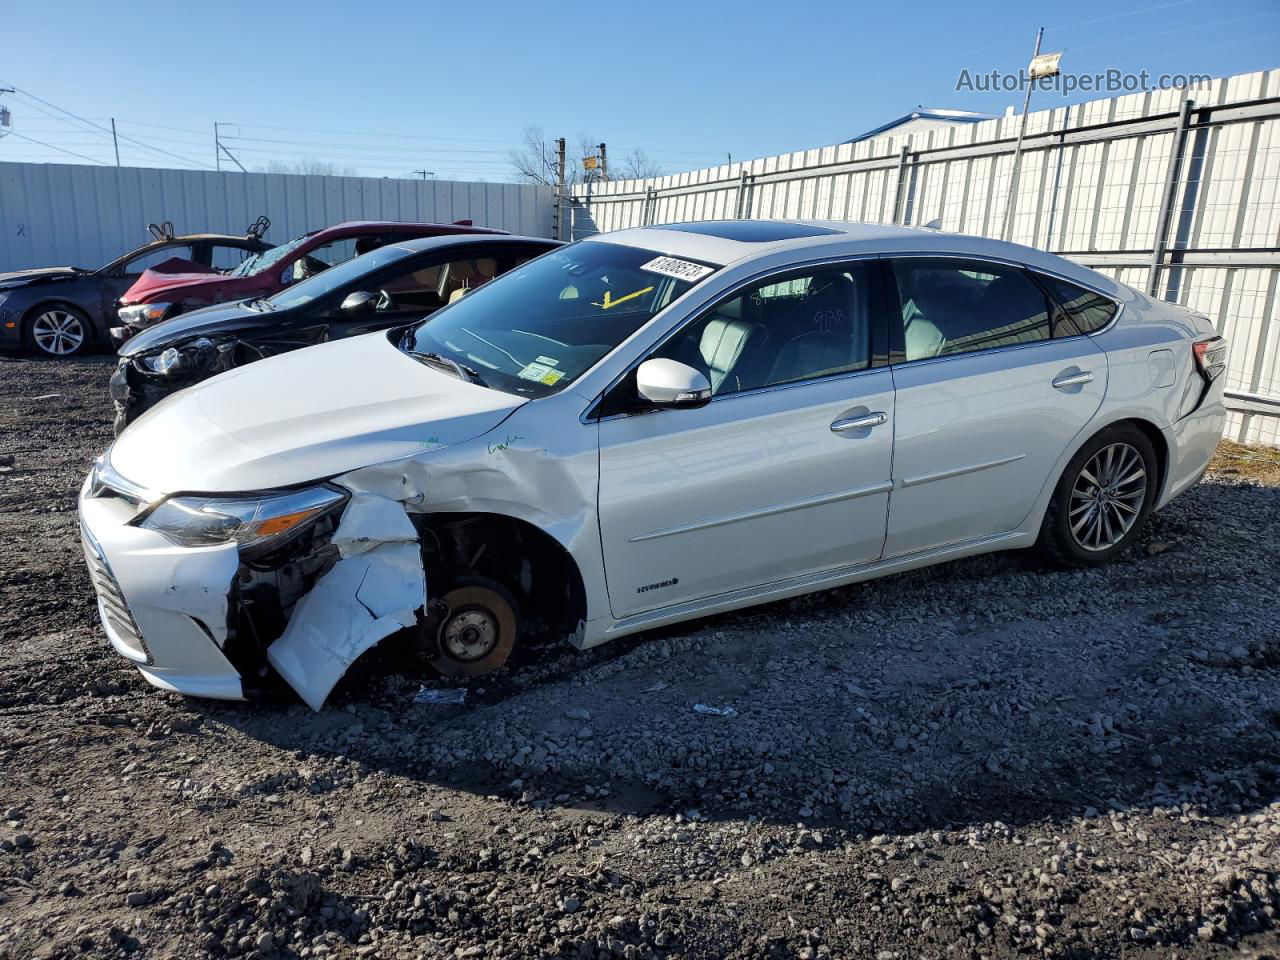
{"x": 420, "y": 244}
{"x": 351, "y": 227}
{"x": 721, "y": 242}
{"x": 223, "y": 237}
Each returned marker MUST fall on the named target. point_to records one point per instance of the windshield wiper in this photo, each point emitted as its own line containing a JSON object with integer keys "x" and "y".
{"x": 259, "y": 305}
{"x": 460, "y": 370}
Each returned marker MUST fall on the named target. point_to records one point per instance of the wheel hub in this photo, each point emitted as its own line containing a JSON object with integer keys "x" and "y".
{"x": 469, "y": 634}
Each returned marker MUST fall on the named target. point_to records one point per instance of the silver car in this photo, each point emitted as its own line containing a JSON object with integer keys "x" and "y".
{"x": 638, "y": 429}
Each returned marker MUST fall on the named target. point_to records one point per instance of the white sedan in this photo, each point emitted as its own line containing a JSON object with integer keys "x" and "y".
{"x": 637, "y": 429}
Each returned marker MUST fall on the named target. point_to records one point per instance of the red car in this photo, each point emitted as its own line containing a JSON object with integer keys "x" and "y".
{"x": 160, "y": 295}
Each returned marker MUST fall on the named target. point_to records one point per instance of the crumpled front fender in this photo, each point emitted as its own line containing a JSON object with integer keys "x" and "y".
{"x": 376, "y": 588}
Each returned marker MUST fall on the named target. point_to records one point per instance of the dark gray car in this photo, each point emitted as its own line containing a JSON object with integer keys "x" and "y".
{"x": 61, "y": 311}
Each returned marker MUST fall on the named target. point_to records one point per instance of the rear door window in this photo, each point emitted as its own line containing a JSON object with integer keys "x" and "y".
{"x": 951, "y": 306}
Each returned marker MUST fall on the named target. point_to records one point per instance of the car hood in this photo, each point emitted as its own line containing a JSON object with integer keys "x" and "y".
{"x": 304, "y": 416}
{"x": 155, "y": 285}
{"x": 22, "y": 278}
{"x": 203, "y": 322}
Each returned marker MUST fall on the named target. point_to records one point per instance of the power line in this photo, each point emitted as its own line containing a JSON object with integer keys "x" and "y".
{"x": 366, "y": 133}
{"x": 1165, "y": 33}
{"x": 72, "y": 153}
{"x": 323, "y": 143}
{"x": 104, "y": 131}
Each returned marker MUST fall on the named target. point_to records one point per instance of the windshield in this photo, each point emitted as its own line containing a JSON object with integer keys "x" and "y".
{"x": 269, "y": 258}
{"x": 538, "y": 328}
{"x": 322, "y": 284}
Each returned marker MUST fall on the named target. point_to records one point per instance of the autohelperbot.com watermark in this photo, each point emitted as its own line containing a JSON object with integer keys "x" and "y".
{"x": 1107, "y": 81}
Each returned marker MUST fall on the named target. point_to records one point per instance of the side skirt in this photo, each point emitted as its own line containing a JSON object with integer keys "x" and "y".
{"x": 794, "y": 586}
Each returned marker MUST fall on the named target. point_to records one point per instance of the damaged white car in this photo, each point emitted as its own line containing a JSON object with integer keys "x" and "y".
{"x": 637, "y": 429}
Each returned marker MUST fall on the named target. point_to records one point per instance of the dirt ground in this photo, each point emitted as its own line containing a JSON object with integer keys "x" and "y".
{"x": 984, "y": 759}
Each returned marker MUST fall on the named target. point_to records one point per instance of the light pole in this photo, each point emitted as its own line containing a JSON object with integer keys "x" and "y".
{"x": 1040, "y": 66}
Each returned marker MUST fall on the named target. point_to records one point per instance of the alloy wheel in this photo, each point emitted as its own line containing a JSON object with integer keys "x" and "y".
{"x": 1107, "y": 498}
{"x": 58, "y": 332}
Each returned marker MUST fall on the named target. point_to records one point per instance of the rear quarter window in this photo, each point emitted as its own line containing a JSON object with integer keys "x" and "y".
{"x": 1080, "y": 310}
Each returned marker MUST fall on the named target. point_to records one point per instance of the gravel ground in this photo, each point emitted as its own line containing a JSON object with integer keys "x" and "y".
{"x": 984, "y": 759}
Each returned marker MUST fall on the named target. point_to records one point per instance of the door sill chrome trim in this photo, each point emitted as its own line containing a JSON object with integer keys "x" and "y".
{"x": 780, "y": 589}
{"x": 777, "y": 508}
{"x": 958, "y": 471}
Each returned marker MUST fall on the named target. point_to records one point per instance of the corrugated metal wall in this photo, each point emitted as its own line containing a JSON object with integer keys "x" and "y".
{"x": 58, "y": 214}
{"x": 1092, "y": 184}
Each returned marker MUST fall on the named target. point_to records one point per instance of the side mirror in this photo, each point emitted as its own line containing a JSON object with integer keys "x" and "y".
{"x": 359, "y": 301}
{"x": 286, "y": 276}
{"x": 670, "y": 383}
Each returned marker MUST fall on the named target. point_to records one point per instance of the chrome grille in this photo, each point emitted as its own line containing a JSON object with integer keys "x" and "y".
{"x": 114, "y": 609}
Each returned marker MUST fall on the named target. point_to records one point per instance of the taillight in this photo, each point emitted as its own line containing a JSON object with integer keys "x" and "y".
{"x": 1211, "y": 357}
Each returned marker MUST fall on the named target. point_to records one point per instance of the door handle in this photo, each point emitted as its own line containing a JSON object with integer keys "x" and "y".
{"x": 858, "y": 423}
{"x": 1073, "y": 379}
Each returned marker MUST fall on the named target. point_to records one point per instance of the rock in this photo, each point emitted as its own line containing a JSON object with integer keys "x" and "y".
{"x": 570, "y": 904}
{"x": 578, "y": 713}
{"x": 23, "y": 841}
{"x": 901, "y": 743}
{"x": 1239, "y": 652}
{"x": 137, "y": 898}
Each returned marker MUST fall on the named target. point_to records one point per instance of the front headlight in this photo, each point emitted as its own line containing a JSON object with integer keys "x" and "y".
{"x": 255, "y": 522}
{"x": 186, "y": 356}
{"x": 143, "y": 314}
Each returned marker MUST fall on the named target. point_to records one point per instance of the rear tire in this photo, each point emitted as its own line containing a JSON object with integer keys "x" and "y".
{"x": 478, "y": 629}
{"x": 1102, "y": 500}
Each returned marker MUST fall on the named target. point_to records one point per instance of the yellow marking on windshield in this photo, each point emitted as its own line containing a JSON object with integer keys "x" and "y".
{"x": 610, "y": 302}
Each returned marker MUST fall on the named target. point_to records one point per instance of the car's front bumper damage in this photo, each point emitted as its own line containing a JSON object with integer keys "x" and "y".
{"x": 135, "y": 390}
{"x": 206, "y": 622}
{"x": 376, "y": 588}
{"x": 163, "y": 607}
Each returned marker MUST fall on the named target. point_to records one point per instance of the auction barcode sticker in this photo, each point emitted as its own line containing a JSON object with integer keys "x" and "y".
{"x": 680, "y": 269}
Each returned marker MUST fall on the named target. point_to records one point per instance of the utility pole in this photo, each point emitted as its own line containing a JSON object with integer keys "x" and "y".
{"x": 1012, "y": 200}
{"x": 604, "y": 163}
{"x": 219, "y": 149}
{"x": 114, "y": 142}
{"x": 425, "y": 173}
{"x": 559, "y": 188}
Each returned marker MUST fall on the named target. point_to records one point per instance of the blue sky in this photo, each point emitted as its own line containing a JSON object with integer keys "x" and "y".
{"x": 390, "y": 86}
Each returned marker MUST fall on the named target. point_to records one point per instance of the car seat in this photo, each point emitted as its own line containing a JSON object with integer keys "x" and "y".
{"x": 832, "y": 333}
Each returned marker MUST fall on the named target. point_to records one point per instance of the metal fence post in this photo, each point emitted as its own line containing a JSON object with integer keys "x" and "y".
{"x": 1172, "y": 174}
{"x": 738, "y": 208}
{"x": 897, "y": 191}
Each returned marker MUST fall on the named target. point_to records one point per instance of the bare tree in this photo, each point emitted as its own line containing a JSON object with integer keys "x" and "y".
{"x": 637, "y": 165}
{"x": 322, "y": 168}
{"x": 535, "y": 161}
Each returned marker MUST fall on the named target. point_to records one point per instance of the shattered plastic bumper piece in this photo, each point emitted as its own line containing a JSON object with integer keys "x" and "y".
{"x": 374, "y": 590}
